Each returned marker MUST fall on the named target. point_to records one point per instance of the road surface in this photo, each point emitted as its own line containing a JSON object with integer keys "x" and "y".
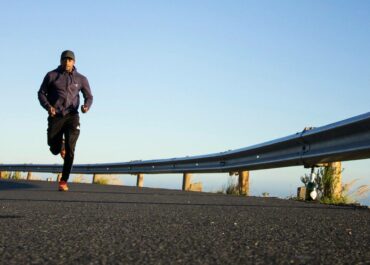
{"x": 98, "y": 224}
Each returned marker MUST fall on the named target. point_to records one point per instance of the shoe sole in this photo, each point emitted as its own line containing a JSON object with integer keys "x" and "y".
{"x": 61, "y": 189}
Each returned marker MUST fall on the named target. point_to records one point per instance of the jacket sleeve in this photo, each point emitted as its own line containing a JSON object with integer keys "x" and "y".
{"x": 43, "y": 93}
{"x": 86, "y": 92}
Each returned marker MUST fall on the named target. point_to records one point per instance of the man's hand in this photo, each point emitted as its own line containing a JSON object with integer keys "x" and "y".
{"x": 52, "y": 111}
{"x": 84, "y": 109}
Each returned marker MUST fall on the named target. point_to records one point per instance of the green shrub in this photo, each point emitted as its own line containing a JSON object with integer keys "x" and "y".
{"x": 324, "y": 182}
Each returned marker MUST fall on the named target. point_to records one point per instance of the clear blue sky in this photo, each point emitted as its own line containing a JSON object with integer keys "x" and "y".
{"x": 177, "y": 78}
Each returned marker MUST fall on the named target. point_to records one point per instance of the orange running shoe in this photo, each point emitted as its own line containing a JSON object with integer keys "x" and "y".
{"x": 63, "y": 186}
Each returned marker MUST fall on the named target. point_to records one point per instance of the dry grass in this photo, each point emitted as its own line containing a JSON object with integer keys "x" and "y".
{"x": 355, "y": 193}
{"x": 79, "y": 179}
{"x": 350, "y": 194}
{"x": 231, "y": 188}
{"x": 107, "y": 180}
{"x": 11, "y": 175}
{"x": 101, "y": 181}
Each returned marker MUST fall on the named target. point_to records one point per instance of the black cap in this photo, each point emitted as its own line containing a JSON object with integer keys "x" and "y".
{"x": 67, "y": 54}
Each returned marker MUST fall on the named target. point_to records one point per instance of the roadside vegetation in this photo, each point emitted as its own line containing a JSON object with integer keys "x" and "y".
{"x": 79, "y": 179}
{"x": 107, "y": 180}
{"x": 325, "y": 183}
{"x": 232, "y": 187}
{"x": 11, "y": 175}
{"x": 102, "y": 181}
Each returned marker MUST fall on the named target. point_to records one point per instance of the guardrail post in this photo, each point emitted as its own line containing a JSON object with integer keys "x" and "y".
{"x": 140, "y": 180}
{"x": 95, "y": 177}
{"x": 243, "y": 183}
{"x": 337, "y": 175}
{"x": 186, "y": 181}
{"x": 29, "y": 175}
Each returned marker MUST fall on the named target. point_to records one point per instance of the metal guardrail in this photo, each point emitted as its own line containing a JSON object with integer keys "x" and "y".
{"x": 344, "y": 140}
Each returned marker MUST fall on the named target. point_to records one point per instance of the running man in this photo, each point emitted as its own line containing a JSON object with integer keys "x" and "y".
{"x": 59, "y": 95}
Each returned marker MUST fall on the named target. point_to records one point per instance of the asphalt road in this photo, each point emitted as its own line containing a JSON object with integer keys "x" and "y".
{"x": 95, "y": 224}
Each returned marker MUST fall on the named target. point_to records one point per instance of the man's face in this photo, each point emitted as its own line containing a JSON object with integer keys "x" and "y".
{"x": 67, "y": 64}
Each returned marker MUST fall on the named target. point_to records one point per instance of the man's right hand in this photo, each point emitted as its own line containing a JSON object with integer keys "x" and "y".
{"x": 52, "y": 111}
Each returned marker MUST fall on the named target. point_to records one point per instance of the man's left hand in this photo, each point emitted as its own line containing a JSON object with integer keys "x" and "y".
{"x": 84, "y": 109}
